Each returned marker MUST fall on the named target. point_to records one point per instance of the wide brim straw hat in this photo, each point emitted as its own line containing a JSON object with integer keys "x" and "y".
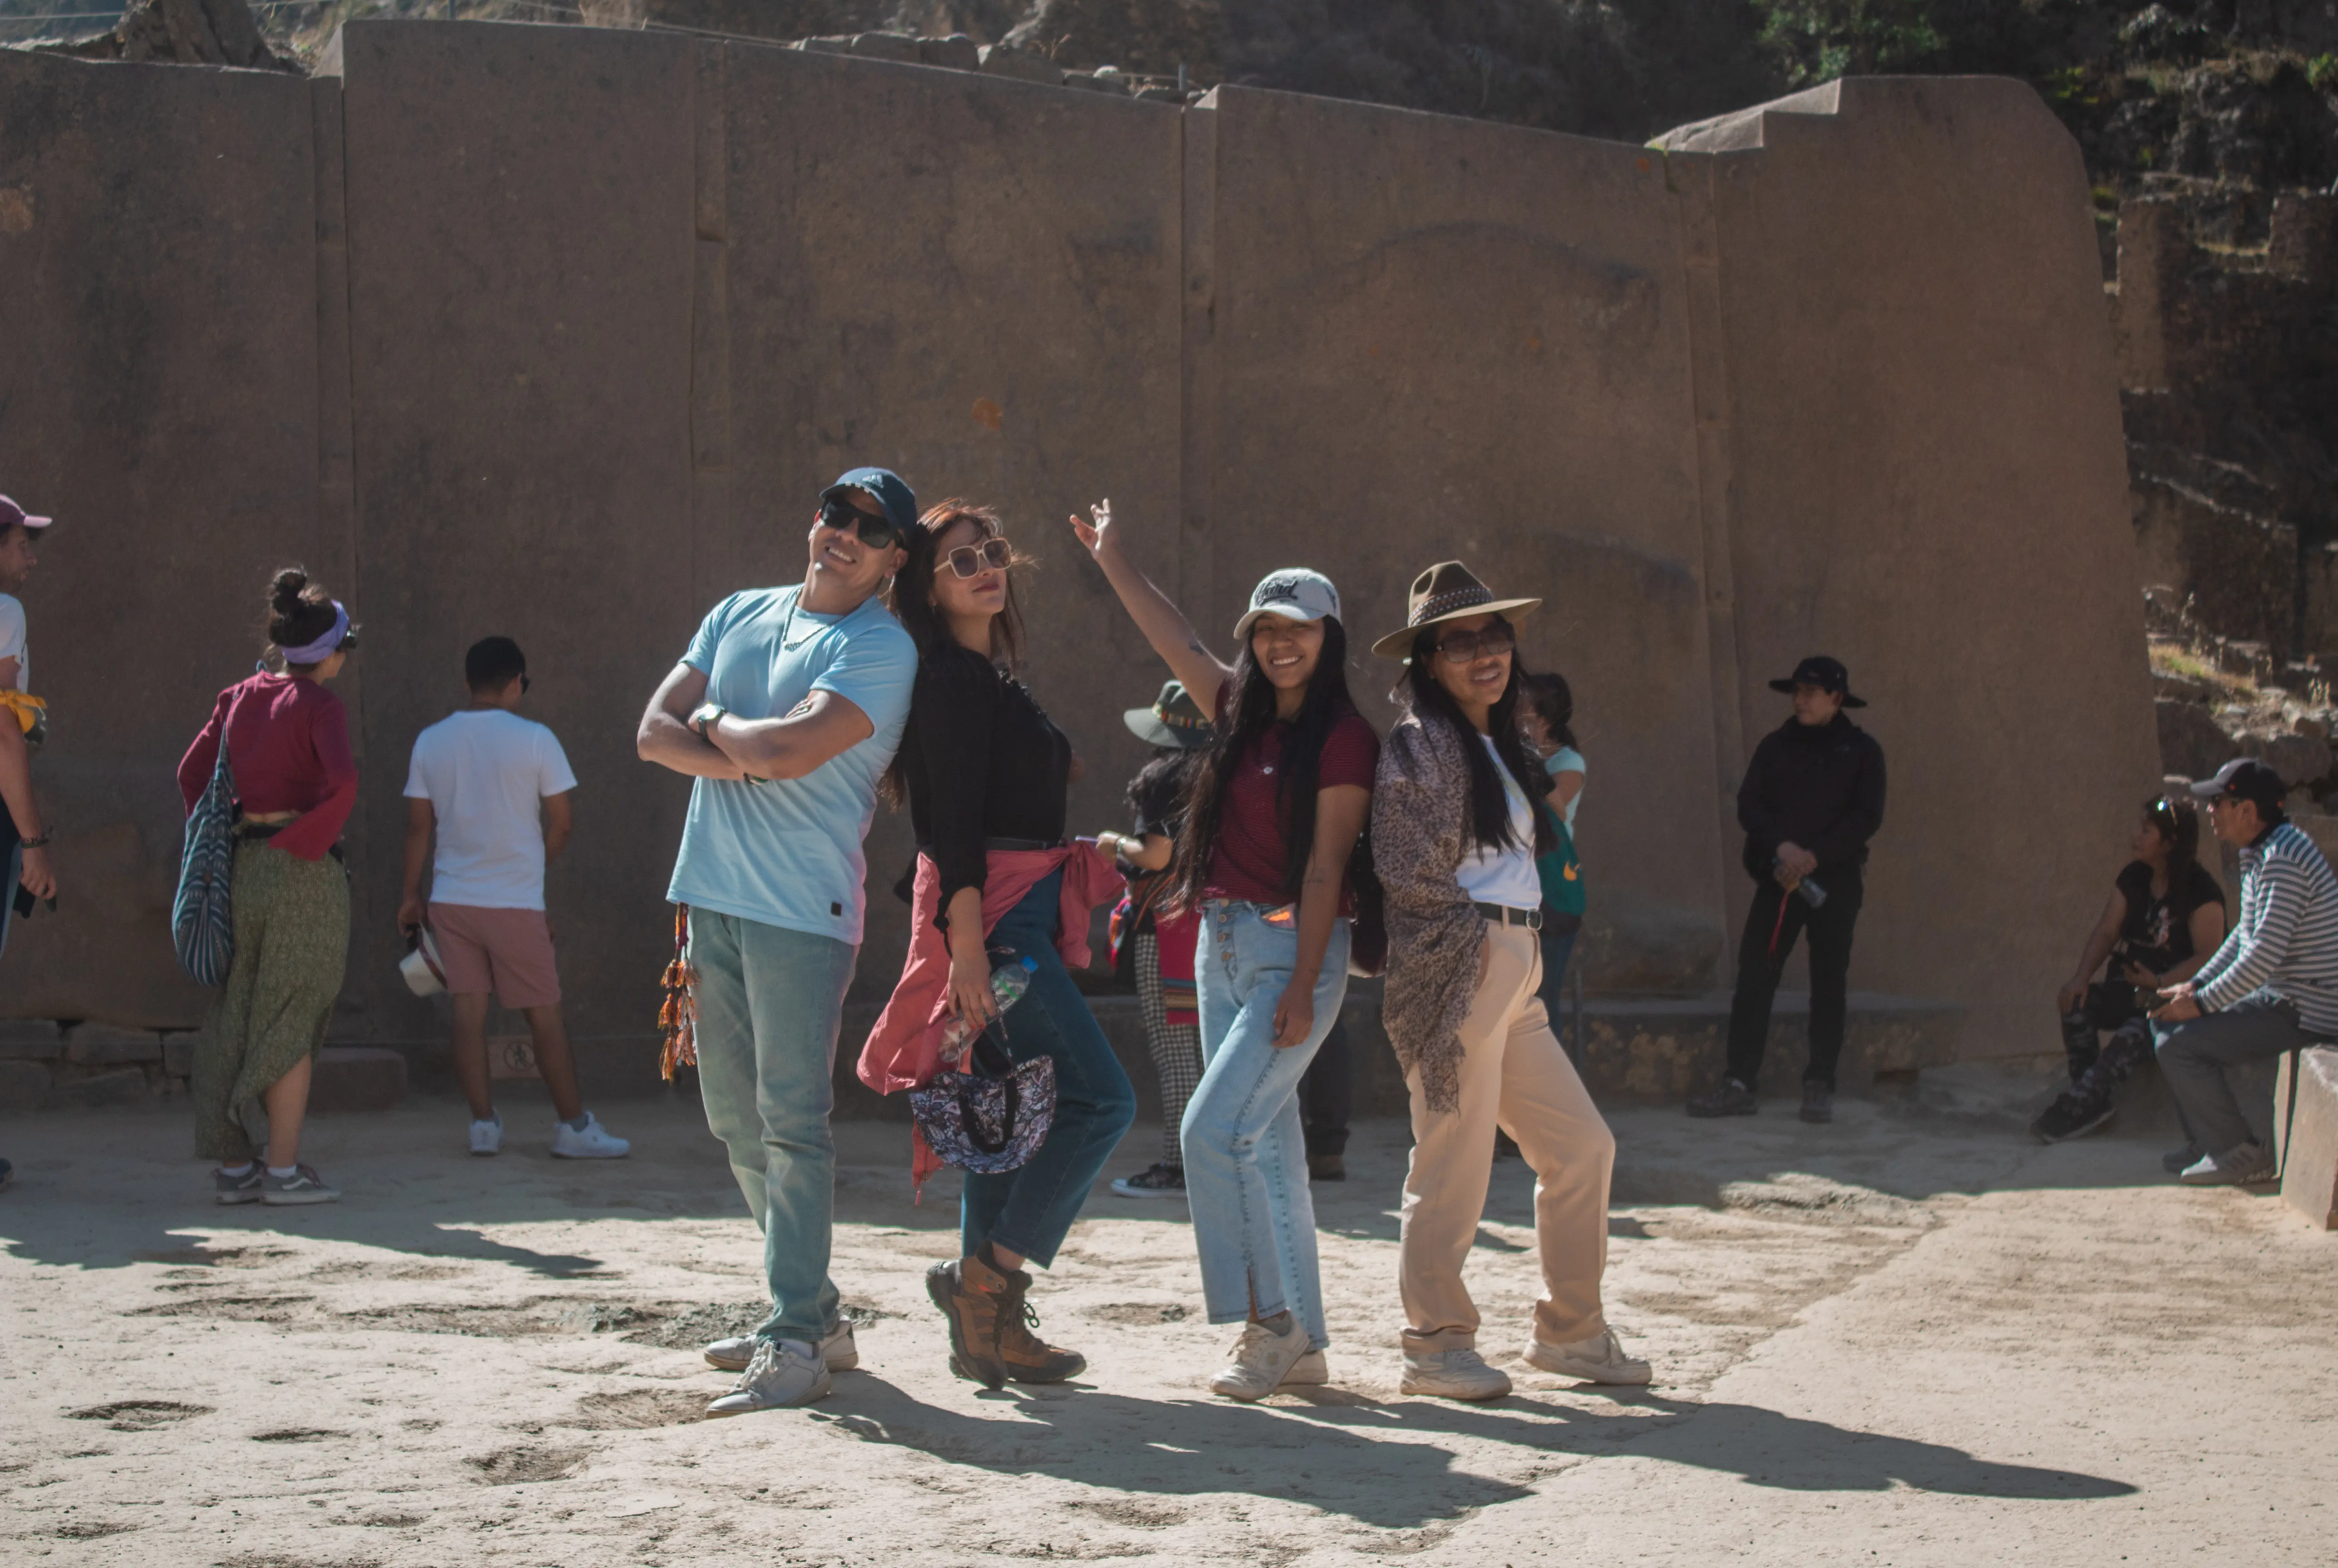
{"x": 1174, "y": 719}
{"x": 1447, "y": 592}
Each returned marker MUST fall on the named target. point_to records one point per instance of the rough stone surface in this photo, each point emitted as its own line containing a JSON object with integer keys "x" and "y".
{"x": 2192, "y": 744}
{"x": 356, "y": 1078}
{"x": 955, "y": 53}
{"x": 899, "y": 46}
{"x": 110, "y": 1044}
{"x": 24, "y": 1085}
{"x": 31, "y": 1040}
{"x": 119, "y": 1086}
{"x": 999, "y": 60}
{"x": 2306, "y": 1101}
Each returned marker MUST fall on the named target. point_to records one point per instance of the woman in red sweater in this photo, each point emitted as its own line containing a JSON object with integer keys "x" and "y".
{"x": 287, "y": 749}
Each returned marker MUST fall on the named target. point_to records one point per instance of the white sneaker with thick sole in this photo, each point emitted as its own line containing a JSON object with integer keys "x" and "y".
{"x": 487, "y": 1136}
{"x": 1598, "y": 1360}
{"x": 783, "y": 1374}
{"x": 1452, "y": 1375}
{"x": 590, "y": 1141}
{"x": 1261, "y": 1359}
{"x": 2243, "y": 1165}
{"x": 1309, "y": 1370}
{"x": 838, "y": 1351}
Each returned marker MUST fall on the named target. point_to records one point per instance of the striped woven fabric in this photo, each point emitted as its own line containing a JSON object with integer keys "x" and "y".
{"x": 202, "y": 922}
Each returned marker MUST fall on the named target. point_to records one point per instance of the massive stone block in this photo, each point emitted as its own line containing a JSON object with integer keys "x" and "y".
{"x": 1927, "y": 480}
{"x": 158, "y": 396}
{"x": 2306, "y": 1134}
{"x": 555, "y": 332}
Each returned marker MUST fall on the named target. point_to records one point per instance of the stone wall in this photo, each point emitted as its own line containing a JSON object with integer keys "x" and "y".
{"x": 554, "y": 332}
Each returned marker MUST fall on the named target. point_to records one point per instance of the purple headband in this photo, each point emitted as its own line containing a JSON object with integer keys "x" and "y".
{"x": 320, "y": 651}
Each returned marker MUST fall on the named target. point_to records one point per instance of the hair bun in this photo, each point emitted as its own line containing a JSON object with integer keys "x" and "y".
{"x": 284, "y": 592}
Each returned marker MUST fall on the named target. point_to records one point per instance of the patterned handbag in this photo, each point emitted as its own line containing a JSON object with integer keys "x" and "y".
{"x": 989, "y": 1120}
{"x": 203, "y": 919}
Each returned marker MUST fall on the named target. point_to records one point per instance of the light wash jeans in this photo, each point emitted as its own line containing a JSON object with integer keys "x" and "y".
{"x": 770, "y": 1001}
{"x": 1245, "y": 1152}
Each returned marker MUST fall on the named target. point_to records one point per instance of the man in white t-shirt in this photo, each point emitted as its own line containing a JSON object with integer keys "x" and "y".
{"x": 478, "y": 779}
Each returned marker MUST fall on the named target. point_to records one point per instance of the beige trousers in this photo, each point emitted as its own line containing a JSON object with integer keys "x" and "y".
{"x": 1514, "y": 1075}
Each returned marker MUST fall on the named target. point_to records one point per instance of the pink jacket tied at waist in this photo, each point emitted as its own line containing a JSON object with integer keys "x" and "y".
{"x": 904, "y": 1050}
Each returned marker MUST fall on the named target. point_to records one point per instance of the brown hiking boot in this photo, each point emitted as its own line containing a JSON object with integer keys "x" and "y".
{"x": 968, "y": 1292}
{"x": 1028, "y": 1358}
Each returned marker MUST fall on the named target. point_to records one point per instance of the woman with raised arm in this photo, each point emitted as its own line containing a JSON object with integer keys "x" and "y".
{"x": 1272, "y": 816}
{"x": 287, "y": 741}
{"x": 986, "y": 773}
{"x": 1455, "y": 833}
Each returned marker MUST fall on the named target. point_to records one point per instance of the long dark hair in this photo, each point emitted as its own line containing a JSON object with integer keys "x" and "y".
{"x": 1166, "y": 769}
{"x": 911, "y": 600}
{"x": 1552, "y": 701}
{"x": 1250, "y": 713}
{"x": 2178, "y": 827}
{"x": 1485, "y": 822}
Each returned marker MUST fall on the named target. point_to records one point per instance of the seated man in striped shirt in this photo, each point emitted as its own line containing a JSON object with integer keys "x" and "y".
{"x": 2270, "y": 987}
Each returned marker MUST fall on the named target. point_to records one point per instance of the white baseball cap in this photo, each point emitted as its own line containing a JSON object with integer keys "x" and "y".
{"x": 1295, "y": 593}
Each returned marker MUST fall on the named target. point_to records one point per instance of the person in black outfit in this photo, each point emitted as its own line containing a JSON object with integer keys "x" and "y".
{"x": 1813, "y": 797}
{"x": 986, "y": 773}
{"x": 2165, "y": 918}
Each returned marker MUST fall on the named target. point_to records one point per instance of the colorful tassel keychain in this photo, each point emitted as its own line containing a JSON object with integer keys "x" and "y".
{"x": 678, "y": 1018}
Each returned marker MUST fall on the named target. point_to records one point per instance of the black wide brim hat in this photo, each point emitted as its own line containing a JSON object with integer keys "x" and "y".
{"x": 1827, "y": 675}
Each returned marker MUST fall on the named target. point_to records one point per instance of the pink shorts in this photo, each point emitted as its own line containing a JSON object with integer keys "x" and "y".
{"x": 507, "y": 951}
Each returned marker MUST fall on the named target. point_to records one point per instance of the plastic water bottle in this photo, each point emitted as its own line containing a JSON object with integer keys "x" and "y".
{"x": 1007, "y": 984}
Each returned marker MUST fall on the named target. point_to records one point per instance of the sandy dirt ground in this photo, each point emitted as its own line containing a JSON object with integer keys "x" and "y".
{"x": 1911, "y": 1338}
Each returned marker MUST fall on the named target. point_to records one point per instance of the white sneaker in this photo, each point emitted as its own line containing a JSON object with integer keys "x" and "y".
{"x": 2243, "y": 1165}
{"x": 837, "y": 1349}
{"x": 1598, "y": 1360}
{"x": 591, "y": 1142}
{"x": 487, "y": 1137}
{"x": 1310, "y": 1368}
{"x": 1261, "y": 1359}
{"x": 784, "y": 1373}
{"x": 1452, "y": 1375}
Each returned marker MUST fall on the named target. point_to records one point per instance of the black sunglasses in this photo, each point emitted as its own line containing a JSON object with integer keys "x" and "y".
{"x": 991, "y": 554}
{"x": 1468, "y": 647}
{"x": 877, "y": 533}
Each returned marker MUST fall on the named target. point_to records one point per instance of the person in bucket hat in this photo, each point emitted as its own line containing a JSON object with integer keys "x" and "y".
{"x": 1157, "y": 944}
{"x": 1457, "y": 829}
{"x": 1278, "y": 807}
{"x": 1812, "y": 798}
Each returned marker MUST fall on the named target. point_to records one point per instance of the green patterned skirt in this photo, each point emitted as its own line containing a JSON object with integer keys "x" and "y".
{"x": 292, "y": 947}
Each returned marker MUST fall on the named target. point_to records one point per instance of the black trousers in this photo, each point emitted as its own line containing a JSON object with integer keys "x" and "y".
{"x": 1327, "y": 1095}
{"x": 1761, "y": 956}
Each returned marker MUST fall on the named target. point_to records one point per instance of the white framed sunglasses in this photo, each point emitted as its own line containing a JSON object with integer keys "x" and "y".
{"x": 991, "y": 554}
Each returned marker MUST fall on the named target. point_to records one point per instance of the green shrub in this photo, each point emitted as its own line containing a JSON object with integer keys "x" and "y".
{"x": 1817, "y": 41}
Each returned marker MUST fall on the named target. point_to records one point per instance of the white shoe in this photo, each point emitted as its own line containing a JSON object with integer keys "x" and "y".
{"x": 1261, "y": 1359}
{"x": 1310, "y": 1368}
{"x": 837, "y": 1350}
{"x": 592, "y": 1141}
{"x": 2243, "y": 1165}
{"x": 1598, "y": 1360}
{"x": 1452, "y": 1375}
{"x": 487, "y": 1137}
{"x": 783, "y": 1374}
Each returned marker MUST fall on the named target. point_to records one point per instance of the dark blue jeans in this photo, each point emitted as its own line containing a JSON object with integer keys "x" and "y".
{"x": 1029, "y": 1210}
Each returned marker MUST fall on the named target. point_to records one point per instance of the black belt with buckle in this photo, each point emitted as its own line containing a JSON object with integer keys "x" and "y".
{"x": 1503, "y": 915}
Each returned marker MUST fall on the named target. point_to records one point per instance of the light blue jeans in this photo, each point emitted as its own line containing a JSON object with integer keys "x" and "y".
{"x": 1245, "y": 1152}
{"x": 770, "y": 1001}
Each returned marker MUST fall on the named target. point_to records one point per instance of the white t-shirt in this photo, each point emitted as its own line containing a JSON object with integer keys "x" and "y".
{"x": 12, "y": 638}
{"x": 482, "y": 771}
{"x": 1506, "y": 877}
{"x": 1567, "y": 759}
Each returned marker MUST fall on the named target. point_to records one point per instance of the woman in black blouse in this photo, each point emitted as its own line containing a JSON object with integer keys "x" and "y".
{"x": 985, "y": 773}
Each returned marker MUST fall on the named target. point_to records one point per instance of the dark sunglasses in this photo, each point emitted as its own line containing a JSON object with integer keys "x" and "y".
{"x": 991, "y": 554}
{"x": 1468, "y": 647}
{"x": 877, "y": 533}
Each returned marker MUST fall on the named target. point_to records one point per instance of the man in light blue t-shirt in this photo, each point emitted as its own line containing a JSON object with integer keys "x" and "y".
{"x": 786, "y": 710}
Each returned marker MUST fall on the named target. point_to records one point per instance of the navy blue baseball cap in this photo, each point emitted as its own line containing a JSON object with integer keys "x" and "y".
{"x": 900, "y": 502}
{"x": 2244, "y": 779}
